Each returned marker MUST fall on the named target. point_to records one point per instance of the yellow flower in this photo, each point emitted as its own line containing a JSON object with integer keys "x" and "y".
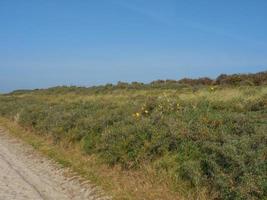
{"x": 146, "y": 111}
{"x": 137, "y": 114}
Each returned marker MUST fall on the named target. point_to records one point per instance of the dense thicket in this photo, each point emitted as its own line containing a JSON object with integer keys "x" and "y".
{"x": 211, "y": 137}
{"x": 208, "y": 136}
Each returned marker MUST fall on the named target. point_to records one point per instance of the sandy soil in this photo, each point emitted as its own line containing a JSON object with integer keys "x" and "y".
{"x": 25, "y": 175}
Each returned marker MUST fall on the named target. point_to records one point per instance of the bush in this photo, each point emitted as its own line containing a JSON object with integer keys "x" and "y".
{"x": 220, "y": 144}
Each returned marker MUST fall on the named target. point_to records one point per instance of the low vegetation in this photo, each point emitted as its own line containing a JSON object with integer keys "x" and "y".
{"x": 208, "y": 134}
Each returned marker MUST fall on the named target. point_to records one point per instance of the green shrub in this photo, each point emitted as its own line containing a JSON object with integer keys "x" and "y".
{"x": 220, "y": 144}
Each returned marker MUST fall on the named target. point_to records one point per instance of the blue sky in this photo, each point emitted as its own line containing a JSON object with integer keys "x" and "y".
{"x": 45, "y": 43}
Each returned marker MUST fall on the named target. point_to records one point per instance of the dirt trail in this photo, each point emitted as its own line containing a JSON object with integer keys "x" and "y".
{"x": 25, "y": 175}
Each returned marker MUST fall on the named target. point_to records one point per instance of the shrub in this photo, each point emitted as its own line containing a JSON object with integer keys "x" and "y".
{"x": 220, "y": 144}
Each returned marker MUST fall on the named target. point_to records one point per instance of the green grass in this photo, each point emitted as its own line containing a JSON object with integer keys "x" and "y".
{"x": 210, "y": 140}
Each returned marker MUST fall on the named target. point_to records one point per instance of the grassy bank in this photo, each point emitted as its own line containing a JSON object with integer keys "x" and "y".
{"x": 153, "y": 143}
{"x": 117, "y": 183}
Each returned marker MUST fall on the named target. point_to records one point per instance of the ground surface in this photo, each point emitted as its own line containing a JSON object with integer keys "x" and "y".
{"x": 24, "y": 175}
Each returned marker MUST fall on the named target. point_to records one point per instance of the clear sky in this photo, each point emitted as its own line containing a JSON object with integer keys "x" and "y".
{"x": 46, "y": 43}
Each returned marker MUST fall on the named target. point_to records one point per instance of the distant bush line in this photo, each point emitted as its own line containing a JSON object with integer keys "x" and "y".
{"x": 255, "y": 79}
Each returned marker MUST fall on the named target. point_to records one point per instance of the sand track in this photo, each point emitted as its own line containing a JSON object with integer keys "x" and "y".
{"x": 25, "y": 175}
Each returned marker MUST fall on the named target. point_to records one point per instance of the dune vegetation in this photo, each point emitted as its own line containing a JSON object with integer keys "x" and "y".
{"x": 206, "y": 135}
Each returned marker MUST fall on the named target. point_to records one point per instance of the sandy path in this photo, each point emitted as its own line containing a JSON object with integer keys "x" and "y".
{"x": 25, "y": 175}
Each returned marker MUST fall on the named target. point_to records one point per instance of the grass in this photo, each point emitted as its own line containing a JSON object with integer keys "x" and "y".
{"x": 205, "y": 143}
